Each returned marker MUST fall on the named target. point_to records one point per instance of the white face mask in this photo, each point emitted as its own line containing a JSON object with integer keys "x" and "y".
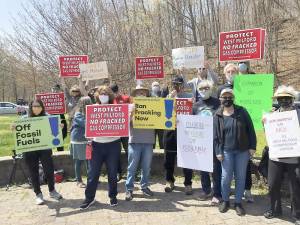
{"x": 103, "y": 99}
{"x": 205, "y": 94}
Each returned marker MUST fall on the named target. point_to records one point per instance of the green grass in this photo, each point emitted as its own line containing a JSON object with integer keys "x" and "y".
{"x": 7, "y": 142}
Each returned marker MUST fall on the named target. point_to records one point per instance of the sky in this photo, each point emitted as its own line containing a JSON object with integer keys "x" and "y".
{"x": 9, "y": 9}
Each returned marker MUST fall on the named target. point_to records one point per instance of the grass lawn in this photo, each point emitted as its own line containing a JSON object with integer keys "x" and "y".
{"x": 7, "y": 142}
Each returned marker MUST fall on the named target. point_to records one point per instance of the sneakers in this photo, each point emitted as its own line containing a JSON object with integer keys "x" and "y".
{"x": 270, "y": 214}
{"x": 188, "y": 190}
{"x": 215, "y": 201}
{"x": 54, "y": 194}
{"x": 203, "y": 196}
{"x": 248, "y": 196}
{"x": 39, "y": 199}
{"x": 129, "y": 195}
{"x": 81, "y": 185}
{"x": 224, "y": 206}
{"x": 169, "y": 187}
{"x": 240, "y": 211}
{"x": 147, "y": 192}
{"x": 86, "y": 204}
{"x": 113, "y": 202}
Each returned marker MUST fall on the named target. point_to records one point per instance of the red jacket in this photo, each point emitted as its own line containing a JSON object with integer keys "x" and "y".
{"x": 122, "y": 99}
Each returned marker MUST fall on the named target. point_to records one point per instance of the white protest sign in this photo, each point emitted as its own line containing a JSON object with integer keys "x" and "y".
{"x": 195, "y": 142}
{"x": 283, "y": 134}
{"x": 94, "y": 71}
{"x": 189, "y": 57}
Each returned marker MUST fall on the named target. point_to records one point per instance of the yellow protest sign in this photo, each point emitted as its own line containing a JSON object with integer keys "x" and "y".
{"x": 154, "y": 113}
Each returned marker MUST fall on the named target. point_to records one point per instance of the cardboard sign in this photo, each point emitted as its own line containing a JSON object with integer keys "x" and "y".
{"x": 154, "y": 113}
{"x": 149, "y": 67}
{"x": 190, "y": 57}
{"x": 54, "y": 102}
{"x": 184, "y": 106}
{"x": 283, "y": 134}
{"x": 37, "y": 133}
{"x": 242, "y": 45}
{"x": 69, "y": 65}
{"x": 107, "y": 120}
{"x": 254, "y": 92}
{"x": 94, "y": 71}
{"x": 195, "y": 142}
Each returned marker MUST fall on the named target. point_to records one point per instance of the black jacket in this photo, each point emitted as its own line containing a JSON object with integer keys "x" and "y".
{"x": 246, "y": 137}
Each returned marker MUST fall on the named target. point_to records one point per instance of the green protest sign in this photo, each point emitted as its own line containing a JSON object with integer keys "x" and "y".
{"x": 254, "y": 92}
{"x": 37, "y": 133}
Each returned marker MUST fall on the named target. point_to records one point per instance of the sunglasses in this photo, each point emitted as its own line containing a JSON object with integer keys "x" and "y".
{"x": 75, "y": 91}
{"x": 227, "y": 98}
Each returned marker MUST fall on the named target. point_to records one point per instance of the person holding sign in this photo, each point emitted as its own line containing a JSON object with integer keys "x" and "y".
{"x": 78, "y": 140}
{"x": 140, "y": 151}
{"x": 170, "y": 144}
{"x": 207, "y": 106}
{"x": 105, "y": 150}
{"x": 285, "y": 97}
{"x": 235, "y": 141}
{"x": 32, "y": 158}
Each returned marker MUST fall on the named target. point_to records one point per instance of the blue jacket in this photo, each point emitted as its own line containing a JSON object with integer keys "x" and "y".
{"x": 78, "y": 128}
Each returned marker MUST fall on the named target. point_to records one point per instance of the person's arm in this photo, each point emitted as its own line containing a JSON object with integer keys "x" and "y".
{"x": 251, "y": 131}
{"x": 82, "y": 87}
{"x": 211, "y": 75}
{"x": 66, "y": 90}
{"x": 217, "y": 143}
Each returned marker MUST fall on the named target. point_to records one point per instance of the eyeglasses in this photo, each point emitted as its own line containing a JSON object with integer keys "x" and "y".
{"x": 36, "y": 106}
{"x": 226, "y": 98}
{"x": 204, "y": 88}
{"x": 75, "y": 91}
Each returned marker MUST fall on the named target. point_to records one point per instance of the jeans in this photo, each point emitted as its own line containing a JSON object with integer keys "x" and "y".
{"x": 234, "y": 163}
{"x": 32, "y": 161}
{"x": 216, "y": 178}
{"x": 139, "y": 154}
{"x": 170, "y": 160}
{"x": 108, "y": 153}
{"x": 78, "y": 164}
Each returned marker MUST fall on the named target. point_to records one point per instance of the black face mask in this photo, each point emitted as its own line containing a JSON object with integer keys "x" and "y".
{"x": 285, "y": 102}
{"x": 227, "y": 102}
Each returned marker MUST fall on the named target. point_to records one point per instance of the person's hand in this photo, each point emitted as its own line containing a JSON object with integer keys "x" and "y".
{"x": 173, "y": 94}
{"x": 220, "y": 158}
{"x": 252, "y": 152}
{"x": 13, "y": 127}
{"x": 131, "y": 110}
{"x": 62, "y": 125}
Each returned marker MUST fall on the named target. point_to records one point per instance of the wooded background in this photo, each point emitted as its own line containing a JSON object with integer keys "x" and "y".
{"x": 117, "y": 31}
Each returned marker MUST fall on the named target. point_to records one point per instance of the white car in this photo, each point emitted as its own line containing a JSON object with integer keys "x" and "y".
{"x": 12, "y": 108}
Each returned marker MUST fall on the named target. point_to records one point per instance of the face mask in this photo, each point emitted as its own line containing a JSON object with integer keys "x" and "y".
{"x": 227, "y": 102}
{"x": 155, "y": 89}
{"x": 231, "y": 79}
{"x": 243, "y": 67}
{"x": 103, "y": 99}
{"x": 285, "y": 102}
{"x": 205, "y": 94}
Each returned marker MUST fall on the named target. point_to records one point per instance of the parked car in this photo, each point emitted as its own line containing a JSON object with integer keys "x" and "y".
{"x": 12, "y": 108}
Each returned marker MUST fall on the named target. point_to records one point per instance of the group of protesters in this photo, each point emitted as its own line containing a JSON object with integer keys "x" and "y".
{"x": 234, "y": 143}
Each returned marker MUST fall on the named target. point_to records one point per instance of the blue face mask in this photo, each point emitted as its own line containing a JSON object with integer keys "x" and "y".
{"x": 243, "y": 67}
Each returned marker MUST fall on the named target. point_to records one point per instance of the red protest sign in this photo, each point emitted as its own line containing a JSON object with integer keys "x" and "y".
{"x": 107, "y": 120}
{"x": 54, "y": 102}
{"x": 69, "y": 65}
{"x": 241, "y": 45}
{"x": 184, "y": 106}
{"x": 149, "y": 67}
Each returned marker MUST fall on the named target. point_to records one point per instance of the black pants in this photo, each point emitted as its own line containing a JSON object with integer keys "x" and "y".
{"x": 124, "y": 141}
{"x": 275, "y": 177}
{"x": 160, "y": 134}
{"x": 108, "y": 153}
{"x": 170, "y": 160}
{"x": 248, "y": 183}
{"x": 32, "y": 160}
{"x": 64, "y": 134}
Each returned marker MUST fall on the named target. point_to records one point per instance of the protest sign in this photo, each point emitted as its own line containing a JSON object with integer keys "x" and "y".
{"x": 54, "y": 102}
{"x": 69, "y": 65}
{"x": 283, "y": 134}
{"x": 242, "y": 45}
{"x": 154, "y": 113}
{"x": 254, "y": 92}
{"x": 37, "y": 133}
{"x": 195, "y": 142}
{"x": 93, "y": 71}
{"x": 107, "y": 120}
{"x": 184, "y": 106}
{"x": 149, "y": 67}
{"x": 189, "y": 57}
